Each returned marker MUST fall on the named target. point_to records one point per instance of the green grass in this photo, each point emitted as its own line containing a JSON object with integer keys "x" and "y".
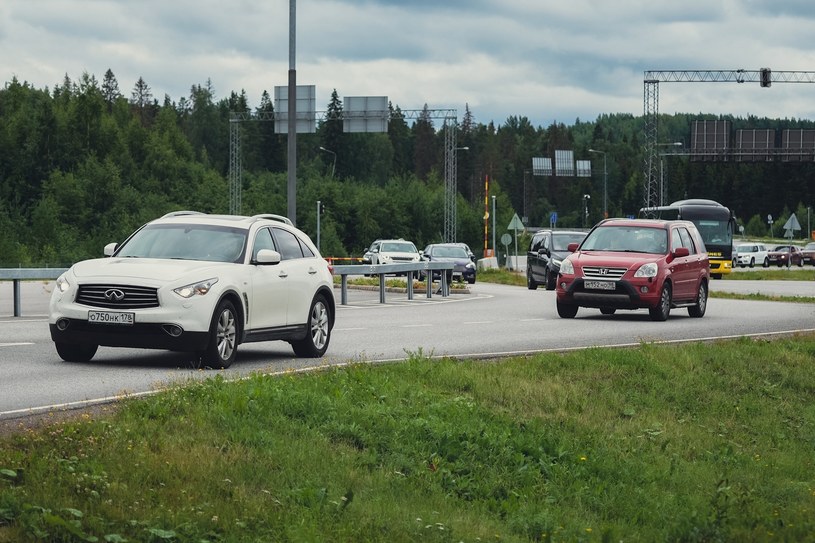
{"x": 773, "y": 274}
{"x": 700, "y": 442}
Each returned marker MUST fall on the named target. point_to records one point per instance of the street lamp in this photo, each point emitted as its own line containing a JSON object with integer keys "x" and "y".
{"x": 334, "y": 165}
{"x": 605, "y": 182}
{"x": 586, "y": 198}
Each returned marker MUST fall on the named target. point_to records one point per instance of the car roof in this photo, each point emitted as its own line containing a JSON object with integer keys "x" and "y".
{"x": 194, "y": 217}
{"x": 648, "y": 223}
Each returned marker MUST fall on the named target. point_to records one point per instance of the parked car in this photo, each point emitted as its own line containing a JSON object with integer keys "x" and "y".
{"x": 199, "y": 283}
{"x": 786, "y": 255}
{"x": 750, "y": 254}
{"x": 808, "y": 253}
{"x": 463, "y": 267}
{"x": 394, "y": 251}
{"x": 546, "y": 251}
{"x": 633, "y": 264}
{"x": 466, "y": 247}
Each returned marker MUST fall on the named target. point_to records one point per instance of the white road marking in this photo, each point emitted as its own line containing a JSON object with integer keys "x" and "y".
{"x": 14, "y": 344}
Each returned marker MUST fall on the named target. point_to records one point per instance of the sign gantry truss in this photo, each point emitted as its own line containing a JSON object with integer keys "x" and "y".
{"x": 652, "y": 78}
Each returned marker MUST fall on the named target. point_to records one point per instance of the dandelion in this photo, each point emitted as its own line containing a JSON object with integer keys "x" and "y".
{"x": 582, "y": 458}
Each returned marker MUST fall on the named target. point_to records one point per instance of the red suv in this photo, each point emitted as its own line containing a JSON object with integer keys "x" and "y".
{"x": 636, "y": 264}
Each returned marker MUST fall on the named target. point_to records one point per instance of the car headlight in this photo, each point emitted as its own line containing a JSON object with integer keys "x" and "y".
{"x": 470, "y": 266}
{"x": 200, "y": 288}
{"x": 62, "y": 283}
{"x": 566, "y": 267}
{"x": 647, "y": 270}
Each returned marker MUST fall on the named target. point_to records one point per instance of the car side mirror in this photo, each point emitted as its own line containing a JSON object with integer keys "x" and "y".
{"x": 681, "y": 251}
{"x": 572, "y": 247}
{"x": 268, "y": 257}
{"x": 109, "y": 249}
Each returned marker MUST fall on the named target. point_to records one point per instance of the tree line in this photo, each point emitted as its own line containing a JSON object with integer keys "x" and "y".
{"x": 83, "y": 164}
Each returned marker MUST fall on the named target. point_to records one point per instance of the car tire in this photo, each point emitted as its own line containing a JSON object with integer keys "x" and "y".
{"x": 531, "y": 284}
{"x": 76, "y": 352}
{"x": 318, "y": 332}
{"x": 698, "y": 310}
{"x": 551, "y": 280}
{"x": 752, "y": 262}
{"x": 223, "y": 337}
{"x": 766, "y": 262}
{"x": 801, "y": 263}
{"x": 566, "y": 311}
{"x": 608, "y": 310}
{"x": 471, "y": 280}
{"x": 663, "y": 309}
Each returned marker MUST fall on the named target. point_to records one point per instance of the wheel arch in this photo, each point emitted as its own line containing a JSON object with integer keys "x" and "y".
{"x": 239, "y": 303}
{"x": 328, "y": 295}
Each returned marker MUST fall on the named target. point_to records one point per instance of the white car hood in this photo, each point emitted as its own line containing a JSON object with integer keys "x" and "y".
{"x": 144, "y": 269}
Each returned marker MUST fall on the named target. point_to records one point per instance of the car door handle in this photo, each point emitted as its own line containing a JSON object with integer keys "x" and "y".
{"x": 283, "y": 274}
{"x": 312, "y": 271}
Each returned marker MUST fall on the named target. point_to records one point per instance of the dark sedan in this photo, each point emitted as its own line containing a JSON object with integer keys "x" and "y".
{"x": 546, "y": 251}
{"x": 785, "y": 255}
{"x": 464, "y": 268}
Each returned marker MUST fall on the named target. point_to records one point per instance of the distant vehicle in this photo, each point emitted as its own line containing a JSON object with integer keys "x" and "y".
{"x": 715, "y": 223}
{"x": 750, "y": 254}
{"x": 808, "y": 252}
{"x": 466, "y": 247}
{"x": 786, "y": 255}
{"x": 366, "y": 257}
{"x": 463, "y": 266}
{"x": 198, "y": 283}
{"x": 633, "y": 264}
{"x": 546, "y": 251}
{"x": 394, "y": 251}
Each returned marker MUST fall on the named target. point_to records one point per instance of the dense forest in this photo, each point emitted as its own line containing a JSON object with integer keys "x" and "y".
{"x": 84, "y": 163}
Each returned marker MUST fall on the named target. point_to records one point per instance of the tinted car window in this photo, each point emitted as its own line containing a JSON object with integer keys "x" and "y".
{"x": 289, "y": 246}
{"x": 687, "y": 241}
{"x": 560, "y": 242}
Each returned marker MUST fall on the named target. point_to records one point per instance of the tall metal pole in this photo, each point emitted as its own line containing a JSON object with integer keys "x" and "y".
{"x": 493, "y": 230}
{"x": 319, "y": 205}
{"x": 291, "y": 192}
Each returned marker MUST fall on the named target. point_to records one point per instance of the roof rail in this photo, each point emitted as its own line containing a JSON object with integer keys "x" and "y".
{"x": 273, "y": 217}
{"x": 179, "y": 213}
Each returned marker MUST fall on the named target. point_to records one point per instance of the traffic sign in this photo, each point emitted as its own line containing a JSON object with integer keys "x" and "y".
{"x": 515, "y": 223}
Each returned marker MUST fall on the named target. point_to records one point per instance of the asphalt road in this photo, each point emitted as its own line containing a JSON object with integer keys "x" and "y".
{"x": 491, "y": 321}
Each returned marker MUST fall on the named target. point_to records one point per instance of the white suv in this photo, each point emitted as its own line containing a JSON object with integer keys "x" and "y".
{"x": 750, "y": 254}
{"x": 199, "y": 283}
{"x": 394, "y": 251}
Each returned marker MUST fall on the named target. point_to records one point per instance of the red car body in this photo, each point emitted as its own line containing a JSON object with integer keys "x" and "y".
{"x": 636, "y": 264}
{"x": 785, "y": 255}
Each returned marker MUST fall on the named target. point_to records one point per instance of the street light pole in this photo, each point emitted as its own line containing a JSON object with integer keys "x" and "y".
{"x": 334, "y": 164}
{"x": 605, "y": 182}
{"x": 493, "y": 230}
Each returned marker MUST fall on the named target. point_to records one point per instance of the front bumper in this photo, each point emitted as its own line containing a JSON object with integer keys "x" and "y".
{"x": 139, "y": 335}
{"x": 626, "y": 295}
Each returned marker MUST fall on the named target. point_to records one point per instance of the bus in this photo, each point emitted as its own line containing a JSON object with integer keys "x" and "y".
{"x": 714, "y": 221}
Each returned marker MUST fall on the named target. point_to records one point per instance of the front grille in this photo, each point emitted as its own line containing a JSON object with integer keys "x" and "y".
{"x": 117, "y": 296}
{"x": 602, "y": 272}
{"x": 402, "y": 259}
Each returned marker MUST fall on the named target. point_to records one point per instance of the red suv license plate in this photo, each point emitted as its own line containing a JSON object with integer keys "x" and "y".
{"x": 599, "y": 285}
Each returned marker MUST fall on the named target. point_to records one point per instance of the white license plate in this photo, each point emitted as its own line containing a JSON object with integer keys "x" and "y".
{"x": 599, "y": 285}
{"x": 111, "y": 317}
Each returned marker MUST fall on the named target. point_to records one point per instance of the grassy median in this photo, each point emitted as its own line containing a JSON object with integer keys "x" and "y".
{"x": 700, "y": 442}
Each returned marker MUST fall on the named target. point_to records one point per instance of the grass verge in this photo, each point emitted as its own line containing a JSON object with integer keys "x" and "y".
{"x": 703, "y": 442}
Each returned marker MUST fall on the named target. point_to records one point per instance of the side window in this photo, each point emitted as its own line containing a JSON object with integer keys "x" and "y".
{"x": 288, "y": 245}
{"x": 536, "y": 243}
{"x": 547, "y": 242}
{"x": 307, "y": 252}
{"x": 676, "y": 239}
{"x": 687, "y": 241}
{"x": 263, "y": 240}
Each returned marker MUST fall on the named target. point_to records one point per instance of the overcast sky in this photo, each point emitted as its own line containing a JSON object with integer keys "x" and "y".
{"x": 546, "y": 60}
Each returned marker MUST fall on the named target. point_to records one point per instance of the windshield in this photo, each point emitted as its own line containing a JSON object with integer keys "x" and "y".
{"x": 634, "y": 239}
{"x": 449, "y": 252}
{"x": 713, "y": 232}
{"x": 560, "y": 242}
{"x": 745, "y": 249}
{"x": 398, "y": 247}
{"x": 186, "y": 242}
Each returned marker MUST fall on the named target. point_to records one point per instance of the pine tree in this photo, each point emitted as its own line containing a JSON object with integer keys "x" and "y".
{"x": 110, "y": 89}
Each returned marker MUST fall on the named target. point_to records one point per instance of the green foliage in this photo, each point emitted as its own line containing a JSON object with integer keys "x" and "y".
{"x": 83, "y": 165}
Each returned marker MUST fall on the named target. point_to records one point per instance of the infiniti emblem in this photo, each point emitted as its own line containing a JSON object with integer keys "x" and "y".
{"x": 114, "y": 295}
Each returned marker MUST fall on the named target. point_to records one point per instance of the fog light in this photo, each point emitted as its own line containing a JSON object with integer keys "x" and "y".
{"x": 62, "y": 324}
{"x": 643, "y": 289}
{"x": 173, "y": 329}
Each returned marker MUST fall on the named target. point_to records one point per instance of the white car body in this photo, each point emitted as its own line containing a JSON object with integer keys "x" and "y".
{"x": 198, "y": 283}
{"x": 395, "y": 251}
{"x": 750, "y": 254}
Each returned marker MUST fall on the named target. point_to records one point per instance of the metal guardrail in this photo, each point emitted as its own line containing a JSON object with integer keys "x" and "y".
{"x": 384, "y": 269}
{"x": 15, "y": 275}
